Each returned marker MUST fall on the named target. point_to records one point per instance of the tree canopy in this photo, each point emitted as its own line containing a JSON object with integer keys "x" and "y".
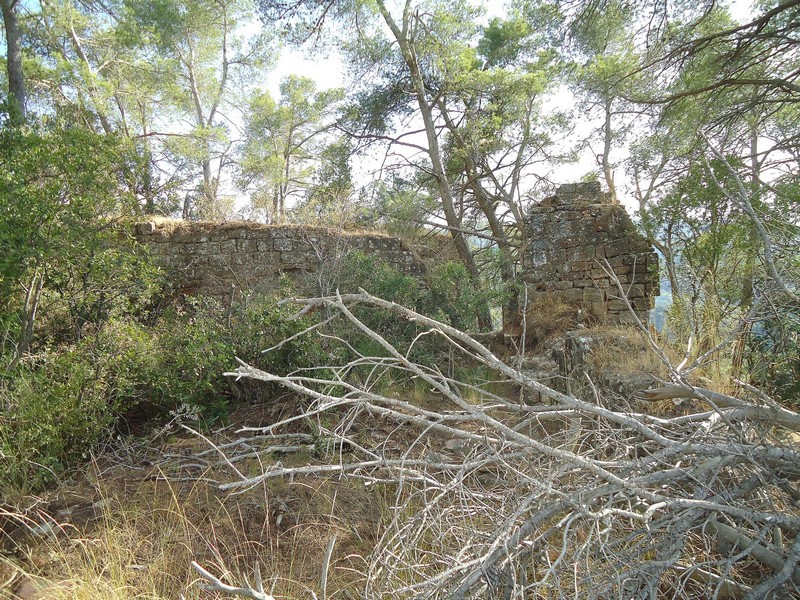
{"x": 453, "y": 119}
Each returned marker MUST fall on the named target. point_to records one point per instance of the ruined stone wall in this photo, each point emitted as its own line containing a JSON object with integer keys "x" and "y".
{"x": 570, "y": 236}
{"x": 225, "y": 260}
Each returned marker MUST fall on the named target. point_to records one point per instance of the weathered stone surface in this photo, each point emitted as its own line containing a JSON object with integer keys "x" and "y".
{"x": 225, "y": 259}
{"x": 574, "y": 239}
{"x": 591, "y": 296}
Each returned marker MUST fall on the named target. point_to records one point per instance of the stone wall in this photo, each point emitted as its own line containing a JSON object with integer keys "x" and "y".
{"x": 226, "y": 259}
{"x": 571, "y": 236}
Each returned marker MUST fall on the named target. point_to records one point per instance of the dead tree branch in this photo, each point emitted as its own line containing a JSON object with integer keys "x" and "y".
{"x": 504, "y": 495}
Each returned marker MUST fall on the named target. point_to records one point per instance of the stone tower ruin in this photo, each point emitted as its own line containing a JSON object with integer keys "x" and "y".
{"x": 572, "y": 236}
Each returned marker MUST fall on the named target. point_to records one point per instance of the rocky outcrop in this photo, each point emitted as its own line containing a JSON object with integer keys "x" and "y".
{"x": 579, "y": 243}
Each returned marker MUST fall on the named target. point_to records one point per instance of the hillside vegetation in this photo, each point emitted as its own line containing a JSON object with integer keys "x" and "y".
{"x": 453, "y": 435}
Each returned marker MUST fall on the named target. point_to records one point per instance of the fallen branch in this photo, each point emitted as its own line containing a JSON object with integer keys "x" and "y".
{"x": 215, "y": 584}
{"x": 779, "y": 415}
{"x": 561, "y": 498}
{"x": 741, "y": 542}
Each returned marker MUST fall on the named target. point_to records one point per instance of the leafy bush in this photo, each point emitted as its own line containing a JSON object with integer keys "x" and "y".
{"x": 376, "y": 276}
{"x": 117, "y": 281}
{"x": 773, "y": 358}
{"x": 54, "y": 413}
{"x": 448, "y": 296}
{"x": 181, "y": 358}
{"x": 60, "y": 247}
{"x": 453, "y": 298}
{"x": 379, "y": 278}
{"x": 58, "y": 408}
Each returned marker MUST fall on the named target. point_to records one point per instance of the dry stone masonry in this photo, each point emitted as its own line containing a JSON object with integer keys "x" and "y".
{"x": 571, "y": 237}
{"x": 226, "y": 259}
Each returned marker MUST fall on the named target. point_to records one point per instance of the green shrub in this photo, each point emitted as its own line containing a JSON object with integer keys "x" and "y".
{"x": 452, "y": 298}
{"x": 180, "y": 359}
{"x": 60, "y": 249}
{"x": 54, "y": 414}
{"x": 55, "y": 411}
{"x": 379, "y": 278}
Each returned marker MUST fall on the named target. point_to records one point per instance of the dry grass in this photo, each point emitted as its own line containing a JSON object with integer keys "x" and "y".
{"x": 139, "y": 533}
{"x": 144, "y": 530}
{"x": 626, "y": 351}
{"x": 547, "y": 317}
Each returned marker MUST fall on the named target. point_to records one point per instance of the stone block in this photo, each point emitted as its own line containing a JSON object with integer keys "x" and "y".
{"x": 617, "y": 247}
{"x": 590, "y": 188}
{"x": 641, "y": 304}
{"x": 621, "y": 270}
{"x": 619, "y": 261}
{"x": 581, "y": 253}
{"x": 537, "y": 259}
{"x": 228, "y": 247}
{"x": 182, "y": 235}
{"x": 158, "y": 249}
{"x": 198, "y": 249}
{"x": 283, "y": 244}
{"x": 145, "y": 228}
{"x": 297, "y": 259}
{"x": 592, "y": 295}
{"x": 262, "y": 269}
{"x": 635, "y": 290}
{"x": 218, "y": 235}
{"x": 570, "y": 296}
{"x": 636, "y": 277}
{"x": 617, "y": 304}
{"x": 247, "y": 246}
{"x": 582, "y": 266}
{"x": 220, "y": 260}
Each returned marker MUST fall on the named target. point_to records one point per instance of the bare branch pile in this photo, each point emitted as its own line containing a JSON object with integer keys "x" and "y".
{"x": 545, "y": 495}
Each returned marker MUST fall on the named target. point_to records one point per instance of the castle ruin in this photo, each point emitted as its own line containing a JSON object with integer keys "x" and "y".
{"x": 579, "y": 244}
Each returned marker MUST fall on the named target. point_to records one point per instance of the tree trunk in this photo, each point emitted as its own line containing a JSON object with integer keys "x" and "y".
{"x": 512, "y": 318}
{"x": 32, "y": 296}
{"x": 16, "y": 80}
{"x": 608, "y": 171}
{"x": 445, "y": 193}
{"x": 147, "y": 178}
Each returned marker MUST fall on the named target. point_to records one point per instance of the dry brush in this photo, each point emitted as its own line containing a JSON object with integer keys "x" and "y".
{"x": 541, "y": 494}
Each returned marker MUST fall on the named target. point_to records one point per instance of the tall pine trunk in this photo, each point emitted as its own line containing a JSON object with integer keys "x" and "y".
{"x": 442, "y": 182}
{"x": 16, "y": 80}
